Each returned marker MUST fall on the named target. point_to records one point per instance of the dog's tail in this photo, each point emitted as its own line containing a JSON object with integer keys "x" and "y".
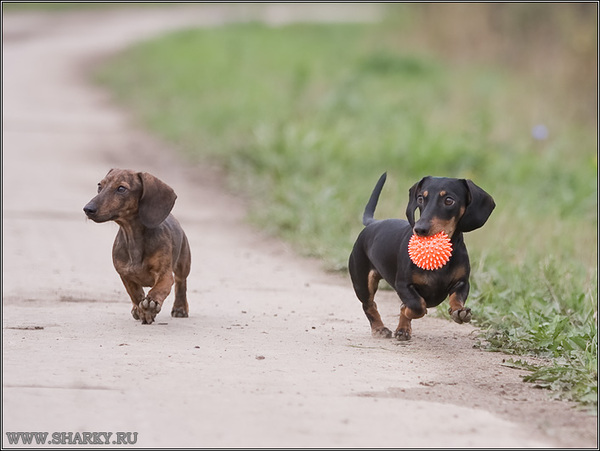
{"x": 368, "y": 216}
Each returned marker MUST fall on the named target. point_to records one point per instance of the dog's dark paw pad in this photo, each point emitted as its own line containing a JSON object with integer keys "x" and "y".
{"x": 384, "y": 332}
{"x": 402, "y": 334}
{"x": 179, "y": 313}
{"x": 461, "y": 316}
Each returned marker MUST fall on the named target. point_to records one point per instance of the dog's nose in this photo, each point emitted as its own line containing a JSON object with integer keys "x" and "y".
{"x": 90, "y": 209}
{"x": 421, "y": 230}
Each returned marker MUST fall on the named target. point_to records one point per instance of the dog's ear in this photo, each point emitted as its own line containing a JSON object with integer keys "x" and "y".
{"x": 156, "y": 202}
{"x": 412, "y": 201}
{"x": 479, "y": 208}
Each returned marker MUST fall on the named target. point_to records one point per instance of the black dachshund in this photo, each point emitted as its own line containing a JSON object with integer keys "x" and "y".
{"x": 381, "y": 251}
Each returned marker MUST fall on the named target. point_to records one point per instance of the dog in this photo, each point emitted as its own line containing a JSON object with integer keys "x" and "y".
{"x": 150, "y": 249}
{"x": 454, "y": 206}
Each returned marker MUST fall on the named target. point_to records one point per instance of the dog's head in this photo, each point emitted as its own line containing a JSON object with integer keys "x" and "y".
{"x": 125, "y": 195}
{"x": 449, "y": 205}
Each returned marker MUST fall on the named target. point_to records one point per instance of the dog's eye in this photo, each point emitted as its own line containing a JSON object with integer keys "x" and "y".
{"x": 121, "y": 189}
{"x": 449, "y": 201}
{"x": 99, "y": 187}
{"x": 420, "y": 200}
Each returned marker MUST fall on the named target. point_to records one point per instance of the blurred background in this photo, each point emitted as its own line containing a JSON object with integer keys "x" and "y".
{"x": 307, "y": 116}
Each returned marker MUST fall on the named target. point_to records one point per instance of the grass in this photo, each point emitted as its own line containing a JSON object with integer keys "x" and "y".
{"x": 306, "y": 117}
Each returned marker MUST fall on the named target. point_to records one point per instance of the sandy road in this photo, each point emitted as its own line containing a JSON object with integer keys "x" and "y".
{"x": 275, "y": 352}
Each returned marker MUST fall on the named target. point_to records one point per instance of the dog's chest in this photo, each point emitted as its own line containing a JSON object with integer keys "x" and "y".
{"x": 130, "y": 261}
{"x": 435, "y": 286}
{"x": 433, "y": 290}
{"x": 134, "y": 271}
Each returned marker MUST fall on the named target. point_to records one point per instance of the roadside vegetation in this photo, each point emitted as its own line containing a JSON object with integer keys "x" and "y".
{"x": 305, "y": 118}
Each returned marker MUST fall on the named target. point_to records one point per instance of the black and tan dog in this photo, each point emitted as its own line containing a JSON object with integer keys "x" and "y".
{"x": 151, "y": 249}
{"x": 451, "y": 205}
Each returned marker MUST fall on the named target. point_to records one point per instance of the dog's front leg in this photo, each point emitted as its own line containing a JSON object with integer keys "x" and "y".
{"x": 458, "y": 296}
{"x": 414, "y": 307}
{"x": 136, "y": 293}
{"x": 152, "y": 303}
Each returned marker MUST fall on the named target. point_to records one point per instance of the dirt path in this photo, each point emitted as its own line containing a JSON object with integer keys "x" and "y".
{"x": 275, "y": 353}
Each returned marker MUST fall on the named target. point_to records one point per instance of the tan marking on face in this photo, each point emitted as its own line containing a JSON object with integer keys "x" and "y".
{"x": 425, "y": 193}
{"x": 449, "y": 226}
{"x": 442, "y": 193}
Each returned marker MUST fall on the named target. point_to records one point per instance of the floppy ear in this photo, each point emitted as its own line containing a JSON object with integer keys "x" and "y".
{"x": 156, "y": 202}
{"x": 479, "y": 208}
{"x": 412, "y": 201}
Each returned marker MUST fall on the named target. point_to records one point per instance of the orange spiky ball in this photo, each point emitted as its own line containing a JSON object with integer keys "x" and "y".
{"x": 430, "y": 252}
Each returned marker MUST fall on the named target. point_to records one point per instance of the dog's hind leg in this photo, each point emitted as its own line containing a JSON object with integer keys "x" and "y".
{"x": 180, "y": 306}
{"x": 182, "y": 270}
{"x": 370, "y": 307}
{"x": 366, "y": 282}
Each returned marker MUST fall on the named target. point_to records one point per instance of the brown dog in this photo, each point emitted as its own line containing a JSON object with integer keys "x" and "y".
{"x": 150, "y": 246}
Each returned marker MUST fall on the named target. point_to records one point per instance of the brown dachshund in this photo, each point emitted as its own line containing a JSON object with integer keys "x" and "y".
{"x": 150, "y": 246}
{"x": 454, "y": 206}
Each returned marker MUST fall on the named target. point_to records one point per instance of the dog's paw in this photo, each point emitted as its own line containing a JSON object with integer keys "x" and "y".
{"x": 179, "y": 312}
{"x": 147, "y": 310}
{"x": 382, "y": 332}
{"x": 461, "y": 316}
{"x": 135, "y": 313}
{"x": 403, "y": 334}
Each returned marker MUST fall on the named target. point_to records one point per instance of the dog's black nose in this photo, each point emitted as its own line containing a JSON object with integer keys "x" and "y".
{"x": 421, "y": 230}
{"x": 90, "y": 209}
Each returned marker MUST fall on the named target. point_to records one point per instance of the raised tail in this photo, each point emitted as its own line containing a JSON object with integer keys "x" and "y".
{"x": 368, "y": 216}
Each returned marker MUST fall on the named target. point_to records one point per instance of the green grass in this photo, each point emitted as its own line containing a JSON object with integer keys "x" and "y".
{"x": 306, "y": 117}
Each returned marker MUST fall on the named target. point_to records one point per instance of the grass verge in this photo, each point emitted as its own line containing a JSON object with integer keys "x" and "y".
{"x": 306, "y": 117}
